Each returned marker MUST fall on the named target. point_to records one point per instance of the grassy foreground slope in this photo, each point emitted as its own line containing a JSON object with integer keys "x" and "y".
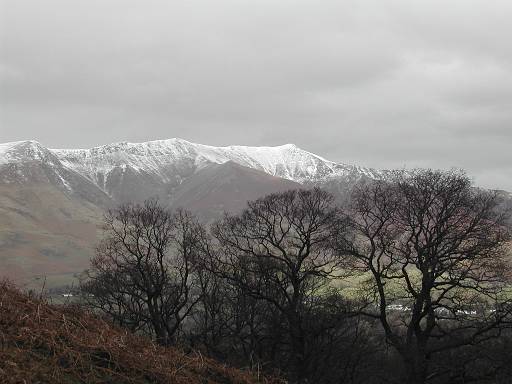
{"x": 42, "y": 343}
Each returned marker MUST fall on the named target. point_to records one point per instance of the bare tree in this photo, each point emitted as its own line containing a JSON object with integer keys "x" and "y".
{"x": 141, "y": 275}
{"x": 433, "y": 250}
{"x": 279, "y": 251}
{"x": 231, "y": 325}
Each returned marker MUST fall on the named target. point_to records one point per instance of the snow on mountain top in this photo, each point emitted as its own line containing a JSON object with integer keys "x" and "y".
{"x": 27, "y": 150}
{"x": 6, "y": 148}
{"x": 287, "y": 161}
{"x": 171, "y": 157}
{"x": 169, "y": 145}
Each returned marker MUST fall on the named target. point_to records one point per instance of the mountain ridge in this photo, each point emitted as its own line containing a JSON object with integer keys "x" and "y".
{"x": 172, "y": 160}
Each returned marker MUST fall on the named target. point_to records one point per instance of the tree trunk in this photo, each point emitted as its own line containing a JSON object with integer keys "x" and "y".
{"x": 416, "y": 367}
{"x": 298, "y": 351}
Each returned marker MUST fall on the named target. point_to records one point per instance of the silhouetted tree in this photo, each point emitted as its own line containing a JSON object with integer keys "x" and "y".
{"x": 142, "y": 274}
{"x": 279, "y": 251}
{"x": 433, "y": 250}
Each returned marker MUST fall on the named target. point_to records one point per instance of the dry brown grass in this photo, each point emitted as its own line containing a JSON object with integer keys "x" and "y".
{"x": 41, "y": 343}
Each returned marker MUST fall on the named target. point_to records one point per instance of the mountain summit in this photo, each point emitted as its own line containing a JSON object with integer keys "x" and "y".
{"x": 159, "y": 166}
{"x": 165, "y": 157}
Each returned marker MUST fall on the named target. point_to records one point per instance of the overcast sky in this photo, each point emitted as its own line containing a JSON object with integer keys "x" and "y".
{"x": 378, "y": 83}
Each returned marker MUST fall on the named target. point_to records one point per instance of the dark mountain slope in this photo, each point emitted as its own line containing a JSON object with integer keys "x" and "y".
{"x": 227, "y": 187}
{"x": 45, "y": 232}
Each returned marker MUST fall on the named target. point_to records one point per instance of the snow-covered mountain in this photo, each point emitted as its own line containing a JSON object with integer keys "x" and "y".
{"x": 167, "y": 158}
{"x": 127, "y": 171}
{"x": 29, "y": 163}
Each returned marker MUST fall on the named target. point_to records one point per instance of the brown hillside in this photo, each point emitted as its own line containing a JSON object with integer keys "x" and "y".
{"x": 42, "y": 343}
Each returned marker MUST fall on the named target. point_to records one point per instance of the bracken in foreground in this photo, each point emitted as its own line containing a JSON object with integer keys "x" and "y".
{"x": 43, "y": 343}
